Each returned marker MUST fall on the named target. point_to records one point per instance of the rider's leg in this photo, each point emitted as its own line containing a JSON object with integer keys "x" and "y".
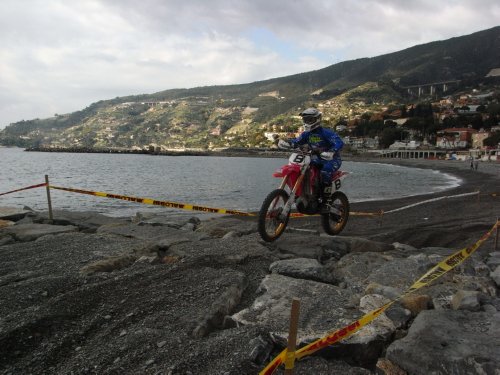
{"x": 326, "y": 179}
{"x": 329, "y": 168}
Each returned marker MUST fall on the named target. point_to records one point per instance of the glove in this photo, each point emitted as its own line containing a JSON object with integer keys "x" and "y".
{"x": 315, "y": 150}
{"x": 326, "y": 155}
{"x": 284, "y": 144}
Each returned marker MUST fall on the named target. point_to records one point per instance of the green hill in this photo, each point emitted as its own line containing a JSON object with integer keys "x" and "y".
{"x": 237, "y": 114}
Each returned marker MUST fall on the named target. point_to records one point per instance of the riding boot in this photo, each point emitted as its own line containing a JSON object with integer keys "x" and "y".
{"x": 324, "y": 196}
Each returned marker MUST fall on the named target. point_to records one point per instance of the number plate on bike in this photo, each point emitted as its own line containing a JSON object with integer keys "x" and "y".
{"x": 299, "y": 159}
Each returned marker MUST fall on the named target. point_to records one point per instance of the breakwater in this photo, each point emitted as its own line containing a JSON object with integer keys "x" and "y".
{"x": 255, "y": 152}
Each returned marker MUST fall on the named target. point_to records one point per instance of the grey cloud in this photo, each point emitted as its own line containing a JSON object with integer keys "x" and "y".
{"x": 67, "y": 54}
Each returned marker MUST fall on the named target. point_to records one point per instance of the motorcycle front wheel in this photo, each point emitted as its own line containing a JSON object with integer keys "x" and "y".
{"x": 334, "y": 222}
{"x": 272, "y": 222}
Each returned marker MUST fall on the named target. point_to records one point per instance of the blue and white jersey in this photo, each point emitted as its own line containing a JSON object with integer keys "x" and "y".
{"x": 322, "y": 138}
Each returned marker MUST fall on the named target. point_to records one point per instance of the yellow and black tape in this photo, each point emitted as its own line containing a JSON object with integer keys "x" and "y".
{"x": 491, "y": 194}
{"x": 435, "y": 272}
{"x": 24, "y": 188}
{"x": 184, "y": 206}
{"x": 181, "y": 206}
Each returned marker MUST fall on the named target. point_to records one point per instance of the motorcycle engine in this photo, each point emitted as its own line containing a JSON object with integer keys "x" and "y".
{"x": 307, "y": 205}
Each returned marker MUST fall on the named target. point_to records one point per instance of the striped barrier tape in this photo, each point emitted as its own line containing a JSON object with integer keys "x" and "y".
{"x": 435, "y": 272}
{"x": 351, "y": 213}
{"x": 184, "y": 206}
{"x": 491, "y": 194}
{"x": 181, "y": 206}
{"x": 432, "y": 200}
{"x": 25, "y": 188}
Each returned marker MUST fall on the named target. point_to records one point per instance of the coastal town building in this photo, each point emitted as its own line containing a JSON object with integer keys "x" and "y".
{"x": 455, "y": 138}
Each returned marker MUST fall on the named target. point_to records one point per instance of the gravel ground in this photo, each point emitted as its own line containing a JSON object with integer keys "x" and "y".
{"x": 163, "y": 313}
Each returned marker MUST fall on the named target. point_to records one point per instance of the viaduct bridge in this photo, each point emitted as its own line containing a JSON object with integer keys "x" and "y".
{"x": 431, "y": 88}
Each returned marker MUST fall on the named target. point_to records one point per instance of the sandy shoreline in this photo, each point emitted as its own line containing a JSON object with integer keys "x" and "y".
{"x": 454, "y": 219}
{"x": 449, "y": 218}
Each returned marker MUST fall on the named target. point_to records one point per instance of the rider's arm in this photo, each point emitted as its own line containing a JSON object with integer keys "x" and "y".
{"x": 299, "y": 141}
{"x": 336, "y": 143}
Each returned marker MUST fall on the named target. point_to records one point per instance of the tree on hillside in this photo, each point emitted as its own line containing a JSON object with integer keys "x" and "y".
{"x": 391, "y": 134}
{"x": 493, "y": 140}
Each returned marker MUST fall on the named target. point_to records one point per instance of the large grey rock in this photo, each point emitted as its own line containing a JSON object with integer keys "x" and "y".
{"x": 304, "y": 246}
{"x": 150, "y": 232}
{"x": 13, "y": 213}
{"x": 30, "y": 232}
{"x": 361, "y": 245}
{"x": 85, "y": 220}
{"x": 401, "y": 273}
{"x": 159, "y": 218}
{"x": 319, "y": 247}
{"x": 220, "y": 226}
{"x": 381, "y": 327}
{"x": 493, "y": 260}
{"x": 466, "y": 300}
{"x": 323, "y": 307}
{"x": 321, "y": 366}
{"x": 354, "y": 268}
{"x": 449, "y": 342}
{"x": 495, "y": 275}
{"x": 302, "y": 268}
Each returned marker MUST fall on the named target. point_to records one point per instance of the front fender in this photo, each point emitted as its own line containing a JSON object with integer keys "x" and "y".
{"x": 287, "y": 170}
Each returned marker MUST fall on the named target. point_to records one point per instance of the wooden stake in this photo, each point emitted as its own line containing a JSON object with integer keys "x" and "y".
{"x": 49, "y": 201}
{"x": 496, "y": 236}
{"x": 292, "y": 337}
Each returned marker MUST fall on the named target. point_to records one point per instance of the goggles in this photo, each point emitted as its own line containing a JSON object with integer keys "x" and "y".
{"x": 310, "y": 120}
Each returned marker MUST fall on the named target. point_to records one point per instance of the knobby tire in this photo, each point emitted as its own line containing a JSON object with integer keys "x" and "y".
{"x": 270, "y": 226}
{"x": 331, "y": 223}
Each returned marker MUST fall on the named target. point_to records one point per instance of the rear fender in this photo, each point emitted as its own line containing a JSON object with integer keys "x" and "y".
{"x": 337, "y": 177}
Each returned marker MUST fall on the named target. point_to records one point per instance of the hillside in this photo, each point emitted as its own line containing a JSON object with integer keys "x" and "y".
{"x": 237, "y": 115}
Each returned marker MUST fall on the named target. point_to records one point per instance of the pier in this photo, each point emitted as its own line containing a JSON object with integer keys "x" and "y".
{"x": 413, "y": 154}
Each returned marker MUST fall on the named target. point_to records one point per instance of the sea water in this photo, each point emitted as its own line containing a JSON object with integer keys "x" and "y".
{"x": 236, "y": 183}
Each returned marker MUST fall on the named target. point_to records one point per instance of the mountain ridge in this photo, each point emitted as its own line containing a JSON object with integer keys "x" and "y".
{"x": 201, "y": 116}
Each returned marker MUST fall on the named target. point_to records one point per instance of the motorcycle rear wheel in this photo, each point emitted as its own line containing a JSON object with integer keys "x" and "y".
{"x": 271, "y": 222}
{"x": 334, "y": 223}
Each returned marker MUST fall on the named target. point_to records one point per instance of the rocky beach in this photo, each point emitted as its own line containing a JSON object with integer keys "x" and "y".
{"x": 90, "y": 294}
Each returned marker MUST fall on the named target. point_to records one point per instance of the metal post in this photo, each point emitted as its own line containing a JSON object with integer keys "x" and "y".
{"x": 49, "y": 201}
{"x": 292, "y": 337}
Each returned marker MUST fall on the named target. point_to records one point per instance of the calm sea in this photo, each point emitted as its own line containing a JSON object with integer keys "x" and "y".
{"x": 238, "y": 183}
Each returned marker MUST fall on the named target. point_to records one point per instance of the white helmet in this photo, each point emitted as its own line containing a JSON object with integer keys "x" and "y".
{"x": 311, "y": 118}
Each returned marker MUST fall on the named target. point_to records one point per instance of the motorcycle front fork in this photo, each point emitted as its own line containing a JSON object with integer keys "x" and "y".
{"x": 291, "y": 199}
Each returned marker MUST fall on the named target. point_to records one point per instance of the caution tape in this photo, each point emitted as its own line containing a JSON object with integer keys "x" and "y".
{"x": 380, "y": 213}
{"x": 184, "y": 206}
{"x": 181, "y": 206}
{"x": 491, "y": 194}
{"x": 25, "y": 188}
{"x": 351, "y": 213}
{"x": 435, "y": 272}
{"x": 432, "y": 200}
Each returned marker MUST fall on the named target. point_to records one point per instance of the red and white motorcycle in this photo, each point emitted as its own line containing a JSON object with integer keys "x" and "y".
{"x": 300, "y": 186}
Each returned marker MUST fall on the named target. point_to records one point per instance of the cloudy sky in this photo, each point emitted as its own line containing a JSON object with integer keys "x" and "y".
{"x": 58, "y": 56}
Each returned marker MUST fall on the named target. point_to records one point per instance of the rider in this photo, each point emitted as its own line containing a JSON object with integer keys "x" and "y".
{"x": 322, "y": 141}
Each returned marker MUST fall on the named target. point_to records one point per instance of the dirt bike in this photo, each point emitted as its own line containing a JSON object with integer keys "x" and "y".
{"x": 301, "y": 185}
